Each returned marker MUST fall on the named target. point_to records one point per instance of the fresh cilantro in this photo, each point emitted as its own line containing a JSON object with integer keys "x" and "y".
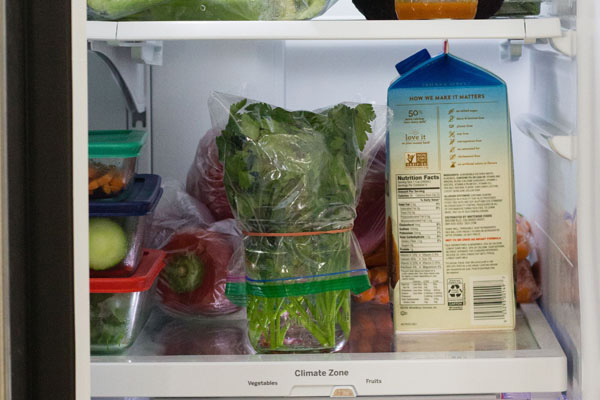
{"x": 295, "y": 171}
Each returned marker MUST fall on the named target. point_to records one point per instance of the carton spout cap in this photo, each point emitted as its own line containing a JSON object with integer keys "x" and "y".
{"x": 413, "y": 61}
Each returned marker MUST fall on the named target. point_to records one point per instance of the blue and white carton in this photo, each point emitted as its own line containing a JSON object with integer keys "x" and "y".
{"x": 450, "y": 199}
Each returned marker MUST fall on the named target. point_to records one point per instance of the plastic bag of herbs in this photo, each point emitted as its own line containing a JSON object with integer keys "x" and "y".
{"x": 293, "y": 180}
{"x": 206, "y": 10}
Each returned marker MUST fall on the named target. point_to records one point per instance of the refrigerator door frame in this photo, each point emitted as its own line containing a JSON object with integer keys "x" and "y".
{"x": 4, "y": 343}
{"x": 46, "y": 136}
{"x": 588, "y": 124}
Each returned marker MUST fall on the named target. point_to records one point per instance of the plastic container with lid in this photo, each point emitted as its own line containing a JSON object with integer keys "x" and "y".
{"x": 119, "y": 307}
{"x": 436, "y": 9}
{"x": 112, "y": 160}
{"x": 117, "y": 229}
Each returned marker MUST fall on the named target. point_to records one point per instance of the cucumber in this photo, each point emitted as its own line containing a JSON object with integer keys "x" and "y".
{"x": 108, "y": 243}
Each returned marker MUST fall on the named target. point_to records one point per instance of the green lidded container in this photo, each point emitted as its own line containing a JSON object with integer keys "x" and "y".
{"x": 112, "y": 161}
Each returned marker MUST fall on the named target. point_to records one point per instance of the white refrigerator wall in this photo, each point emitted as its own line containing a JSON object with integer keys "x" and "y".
{"x": 181, "y": 86}
{"x": 293, "y": 74}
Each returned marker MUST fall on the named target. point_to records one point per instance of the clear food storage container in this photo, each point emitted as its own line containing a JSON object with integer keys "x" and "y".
{"x": 119, "y": 307}
{"x": 117, "y": 229}
{"x": 299, "y": 324}
{"x": 436, "y": 9}
{"x": 112, "y": 160}
{"x": 519, "y": 8}
{"x": 282, "y": 317}
{"x": 207, "y": 10}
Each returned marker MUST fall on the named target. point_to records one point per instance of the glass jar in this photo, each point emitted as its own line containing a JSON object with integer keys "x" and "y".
{"x": 310, "y": 323}
{"x": 112, "y": 161}
{"x": 133, "y": 230}
{"x": 119, "y": 307}
{"x": 298, "y": 297}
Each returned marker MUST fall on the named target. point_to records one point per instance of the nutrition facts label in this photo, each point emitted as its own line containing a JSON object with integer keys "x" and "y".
{"x": 420, "y": 240}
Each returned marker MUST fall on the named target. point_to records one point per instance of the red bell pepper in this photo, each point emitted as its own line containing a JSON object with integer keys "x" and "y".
{"x": 194, "y": 278}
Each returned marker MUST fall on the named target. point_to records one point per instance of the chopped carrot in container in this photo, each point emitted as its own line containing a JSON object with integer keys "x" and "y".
{"x": 117, "y": 182}
{"x": 92, "y": 173}
{"x": 103, "y": 180}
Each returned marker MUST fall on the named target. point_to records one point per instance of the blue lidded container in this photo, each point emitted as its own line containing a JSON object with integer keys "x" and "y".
{"x": 118, "y": 228}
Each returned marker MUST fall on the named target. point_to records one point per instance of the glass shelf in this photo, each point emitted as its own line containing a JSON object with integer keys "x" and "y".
{"x": 213, "y": 358}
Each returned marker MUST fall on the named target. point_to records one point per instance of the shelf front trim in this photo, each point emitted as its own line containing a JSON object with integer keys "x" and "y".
{"x": 101, "y": 30}
{"x": 531, "y": 28}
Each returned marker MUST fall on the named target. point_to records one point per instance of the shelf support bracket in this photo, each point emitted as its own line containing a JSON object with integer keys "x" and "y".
{"x": 512, "y": 49}
{"x": 566, "y": 44}
{"x": 554, "y": 138}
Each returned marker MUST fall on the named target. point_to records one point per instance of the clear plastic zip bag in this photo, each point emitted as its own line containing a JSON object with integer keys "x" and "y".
{"x": 293, "y": 180}
{"x": 207, "y": 10}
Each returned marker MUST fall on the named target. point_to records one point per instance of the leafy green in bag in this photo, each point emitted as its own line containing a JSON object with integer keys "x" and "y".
{"x": 208, "y": 10}
{"x": 116, "y": 9}
{"x": 293, "y": 180}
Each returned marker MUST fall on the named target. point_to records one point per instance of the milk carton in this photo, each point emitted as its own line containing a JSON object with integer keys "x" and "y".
{"x": 450, "y": 199}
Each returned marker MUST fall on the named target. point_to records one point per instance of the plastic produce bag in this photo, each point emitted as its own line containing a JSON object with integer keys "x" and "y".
{"x": 528, "y": 290}
{"x": 176, "y": 211}
{"x": 205, "y": 183}
{"x": 519, "y": 8}
{"x": 208, "y": 10}
{"x": 199, "y": 253}
{"x": 369, "y": 226}
{"x": 293, "y": 181}
{"x": 372, "y": 329}
{"x": 116, "y": 9}
{"x": 205, "y": 177}
{"x": 379, "y": 292}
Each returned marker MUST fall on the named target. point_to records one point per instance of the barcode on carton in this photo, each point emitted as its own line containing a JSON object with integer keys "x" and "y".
{"x": 488, "y": 300}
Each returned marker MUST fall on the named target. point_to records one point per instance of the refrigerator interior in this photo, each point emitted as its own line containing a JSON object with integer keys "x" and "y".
{"x": 302, "y": 74}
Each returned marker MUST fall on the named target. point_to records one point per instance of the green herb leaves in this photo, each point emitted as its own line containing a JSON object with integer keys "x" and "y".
{"x": 293, "y": 169}
{"x": 296, "y": 171}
